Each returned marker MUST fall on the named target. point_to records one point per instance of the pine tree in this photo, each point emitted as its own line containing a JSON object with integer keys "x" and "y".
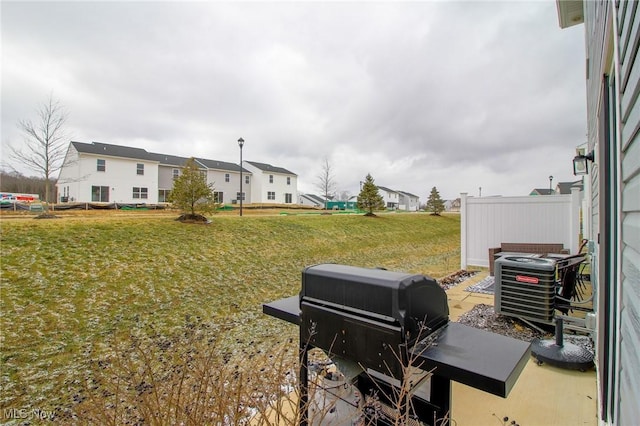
{"x": 191, "y": 193}
{"x": 369, "y": 198}
{"x": 435, "y": 204}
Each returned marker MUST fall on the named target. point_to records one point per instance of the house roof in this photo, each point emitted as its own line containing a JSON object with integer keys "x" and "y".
{"x": 386, "y": 189}
{"x": 98, "y": 148}
{"x": 169, "y": 160}
{"x": 314, "y": 198}
{"x": 565, "y": 187}
{"x": 408, "y": 194}
{"x": 541, "y": 191}
{"x": 269, "y": 168}
{"x": 221, "y": 165}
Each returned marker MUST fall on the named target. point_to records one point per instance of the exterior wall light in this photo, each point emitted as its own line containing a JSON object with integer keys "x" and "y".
{"x": 580, "y": 164}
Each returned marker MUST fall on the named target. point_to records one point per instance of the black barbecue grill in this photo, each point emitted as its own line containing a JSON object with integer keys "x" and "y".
{"x": 369, "y": 316}
{"x": 381, "y": 319}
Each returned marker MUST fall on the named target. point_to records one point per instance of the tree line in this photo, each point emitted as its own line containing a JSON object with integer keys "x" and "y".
{"x": 17, "y": 182}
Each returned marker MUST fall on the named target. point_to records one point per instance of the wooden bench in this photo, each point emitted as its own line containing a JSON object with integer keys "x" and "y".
{"x": 534, "y": 248}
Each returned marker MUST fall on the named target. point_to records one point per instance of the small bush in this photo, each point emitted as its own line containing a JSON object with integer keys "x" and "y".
{"x": 185, "y": 378}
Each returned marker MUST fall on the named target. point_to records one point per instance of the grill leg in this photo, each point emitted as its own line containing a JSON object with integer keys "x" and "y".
{"x": 441, "y": 397}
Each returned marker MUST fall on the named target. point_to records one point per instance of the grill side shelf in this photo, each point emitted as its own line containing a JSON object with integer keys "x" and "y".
{"x": 477, "y": 358}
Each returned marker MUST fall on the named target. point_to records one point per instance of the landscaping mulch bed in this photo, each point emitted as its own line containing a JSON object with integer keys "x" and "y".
{"x": 483, "y": 316}
{"x": 456, "y": 278}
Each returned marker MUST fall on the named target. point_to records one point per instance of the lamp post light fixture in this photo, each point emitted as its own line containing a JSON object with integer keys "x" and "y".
{"x": 550, "y": 183}
{"x": 580, "y": 164}
{"x": 241, "y": 144}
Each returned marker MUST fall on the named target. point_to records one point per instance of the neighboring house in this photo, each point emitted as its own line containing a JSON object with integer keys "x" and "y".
{"x": 390, "y": 197}
{"x": 561, "y": 188}
{"x": 272, "y": 184}
{"x": 101, "y": 172}
{"x": 565, "y": 187}
{"x": 408, "y": 201}
{"x": 612, "y": 189}
{"x": 169, "y": 168}
{"x": 541, "y": 191}
{"x": 311, "y": 200}
{"x": 98, "y": 172}
{"x": 225, "y": 179}
{"x": 452, "y": 205}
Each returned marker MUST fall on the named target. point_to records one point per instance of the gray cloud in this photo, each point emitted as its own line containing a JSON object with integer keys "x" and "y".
{"x": 455, "y": 95}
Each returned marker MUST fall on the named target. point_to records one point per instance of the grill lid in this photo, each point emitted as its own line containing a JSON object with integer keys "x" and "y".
{"x": 406, "y": 300}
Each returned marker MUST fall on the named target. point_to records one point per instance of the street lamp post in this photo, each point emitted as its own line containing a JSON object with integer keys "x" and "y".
{"x": 550, "y": 180}
{"x": 240, "y": 144}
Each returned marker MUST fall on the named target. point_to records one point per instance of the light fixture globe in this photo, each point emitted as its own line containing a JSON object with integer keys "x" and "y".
{"x": 580, "y": 164}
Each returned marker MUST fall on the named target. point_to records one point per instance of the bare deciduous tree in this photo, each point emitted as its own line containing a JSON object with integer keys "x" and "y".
{"x": 326, "y": 181}
{"x": 45, "y": 143}
{"x": 344, "y": 195}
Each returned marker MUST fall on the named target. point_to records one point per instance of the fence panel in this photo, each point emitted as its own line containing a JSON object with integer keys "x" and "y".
{"x": 487, "y": 222}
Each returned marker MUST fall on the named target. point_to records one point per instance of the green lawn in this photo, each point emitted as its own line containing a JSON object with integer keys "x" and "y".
{"x": 69, "y": 285}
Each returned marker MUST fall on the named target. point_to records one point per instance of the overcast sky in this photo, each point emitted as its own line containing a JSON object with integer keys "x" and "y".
{"x": 456, "y": 95}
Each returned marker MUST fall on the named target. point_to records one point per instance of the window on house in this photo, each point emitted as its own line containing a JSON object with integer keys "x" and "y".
{"x": 226, "y": 177}
{"x": 102, "y": 165}
{"x": 163, "y": 195}
{"x": 176, "y": 173}
{"x": 218, "y": 197}
{"x": 246, "y": 180}
{"x": 140, "y": 169}
{"x": 238, "y": 196}
{"x": 270, "y": 178}
{"x": 100, "y": 194}
{"x": 288, "y": 180}
{"x": 271, "y": 195}
{"x": 140, "y": 193}
{"x": 288, "y": 198}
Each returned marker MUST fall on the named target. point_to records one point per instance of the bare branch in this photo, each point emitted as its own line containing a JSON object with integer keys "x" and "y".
{"x": 326, "y": 181}
{"x": 45, "y": 142}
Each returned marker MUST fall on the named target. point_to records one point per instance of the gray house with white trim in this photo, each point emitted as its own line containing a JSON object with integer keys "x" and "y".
{"x": 612, "y": 188}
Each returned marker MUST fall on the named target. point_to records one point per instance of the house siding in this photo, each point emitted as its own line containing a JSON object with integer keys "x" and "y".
{"x": 230, "y": 189}
{"x": 79, "y": 173}
{"x": 120, "y": 176}
{"x": 612, "y": 39}
{"x": 68, "y": 184}
{"x": 629, "y": 393}
{"x": 262, "y": 186}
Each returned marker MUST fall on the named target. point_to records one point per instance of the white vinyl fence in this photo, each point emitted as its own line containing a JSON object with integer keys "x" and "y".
{"x": 487, "y": 222}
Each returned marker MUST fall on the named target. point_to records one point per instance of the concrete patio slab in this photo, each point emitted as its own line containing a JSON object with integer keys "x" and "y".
{"x": 543, "y": 395}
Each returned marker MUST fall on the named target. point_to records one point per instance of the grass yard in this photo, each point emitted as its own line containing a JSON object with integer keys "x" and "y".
{"x": 72, "y": 287}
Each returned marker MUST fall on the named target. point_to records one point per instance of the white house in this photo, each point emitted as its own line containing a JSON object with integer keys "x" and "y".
{"x": 98, "y": 172}
{"x": 272, "y": 184}
{"x": 391, "y": 198}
